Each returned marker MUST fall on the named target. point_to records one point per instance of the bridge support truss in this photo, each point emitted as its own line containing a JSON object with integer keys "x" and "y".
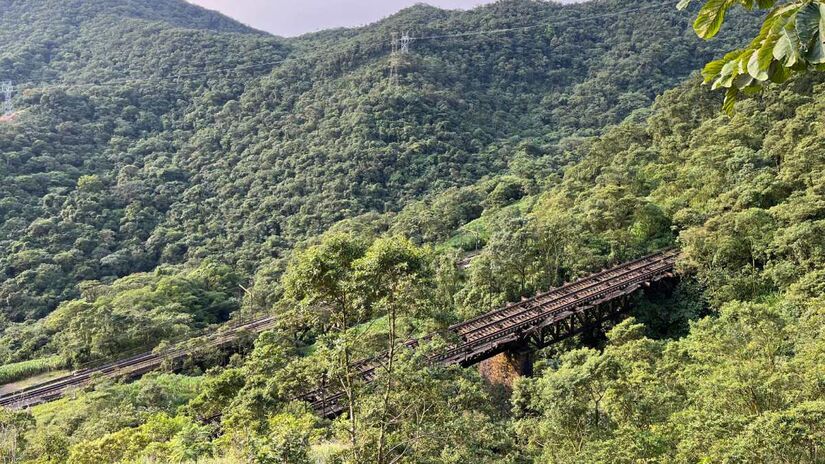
{"x": 503, "y": 369}
{"x": 514, "y": 360}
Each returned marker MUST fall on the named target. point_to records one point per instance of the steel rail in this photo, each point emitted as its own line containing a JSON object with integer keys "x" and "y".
{"x": 592, "y": 296}
{"x": 135, "y": 365}
{"x": 573, "y": 289}
{"x": 550, "y": 303}
{"x": 561, "y": 306}
{"x": 567, "y": 286}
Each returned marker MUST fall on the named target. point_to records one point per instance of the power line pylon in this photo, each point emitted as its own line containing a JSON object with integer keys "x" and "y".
{"x": 394, "y": 60}
{"x": 406, "y": 40}
{"x": 7, "y": 88}
{"x": 399, "y": 47}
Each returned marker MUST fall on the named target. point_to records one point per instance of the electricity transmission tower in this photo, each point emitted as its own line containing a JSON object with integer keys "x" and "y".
{"x": 394, "y": 60}
{"x": 399, "y": 47}
{"x": 406, "y": 40}
{"x": 7, "y": 88}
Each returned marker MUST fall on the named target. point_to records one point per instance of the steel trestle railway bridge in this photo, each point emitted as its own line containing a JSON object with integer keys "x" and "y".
{"x": 533, "y": 323}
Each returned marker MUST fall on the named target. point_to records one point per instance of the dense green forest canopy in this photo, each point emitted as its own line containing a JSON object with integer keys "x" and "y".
{"x": 102, "y": 181}
{"x": 157, "y": 206}
{"x": 727, "y": 369}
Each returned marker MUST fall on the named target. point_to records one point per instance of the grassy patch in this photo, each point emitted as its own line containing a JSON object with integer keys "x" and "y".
{"x": 475, "y": 234}
{"x": 18, "y": 371}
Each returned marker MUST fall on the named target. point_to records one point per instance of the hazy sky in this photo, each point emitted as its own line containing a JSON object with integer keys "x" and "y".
{"x": 294, "y": 17}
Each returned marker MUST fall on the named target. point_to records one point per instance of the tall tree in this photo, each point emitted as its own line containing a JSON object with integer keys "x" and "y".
{"x": 321, "y": 280}
{"x": 390, "y": 275}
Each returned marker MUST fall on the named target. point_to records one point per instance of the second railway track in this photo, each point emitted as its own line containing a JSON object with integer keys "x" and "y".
{"x": 135, "y": 365}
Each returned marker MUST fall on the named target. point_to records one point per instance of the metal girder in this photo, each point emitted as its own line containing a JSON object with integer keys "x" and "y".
{"x": 547, "y": 318}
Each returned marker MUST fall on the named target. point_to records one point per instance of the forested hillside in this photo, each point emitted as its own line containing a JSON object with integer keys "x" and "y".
{"x": 167, "y": 169}
{"x": 727, "y": 369}
{"x": 174, "y": 163}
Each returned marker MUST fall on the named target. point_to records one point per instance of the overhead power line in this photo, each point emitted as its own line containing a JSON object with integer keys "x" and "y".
{"x": 401, "y": 45}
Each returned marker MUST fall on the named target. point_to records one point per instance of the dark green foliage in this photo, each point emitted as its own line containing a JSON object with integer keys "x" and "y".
{"x": 99, "y": 182}
{"x": 119, "y": 202}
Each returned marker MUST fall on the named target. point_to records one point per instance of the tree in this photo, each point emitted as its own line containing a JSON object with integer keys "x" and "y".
{"x": 389, "y": 277}
{"x": 288, "y": 440}
{"x": 160, "y": 438}
{"x": 791, "y": 41}
{"x": 439, "y": 415}
{"x": 321, "y": 280}
{"x": 13, "y": 428}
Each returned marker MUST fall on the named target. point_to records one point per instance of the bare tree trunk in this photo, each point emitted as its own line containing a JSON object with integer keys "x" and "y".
{"x": 349, "y": 391}
{"x": 382, "y": 437}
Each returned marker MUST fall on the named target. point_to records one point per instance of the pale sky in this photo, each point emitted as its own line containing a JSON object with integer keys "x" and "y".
{"x": 294, "y": 17}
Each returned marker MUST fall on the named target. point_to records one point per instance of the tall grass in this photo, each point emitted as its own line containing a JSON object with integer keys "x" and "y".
{"x": 17, "y": 371}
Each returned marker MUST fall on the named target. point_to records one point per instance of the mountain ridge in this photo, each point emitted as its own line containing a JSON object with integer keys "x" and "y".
{"x": 241, "y": 165}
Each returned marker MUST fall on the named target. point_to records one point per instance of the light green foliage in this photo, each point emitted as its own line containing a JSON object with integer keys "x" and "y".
{"x": 21, "y": 370}
{"x": 436, "y": 415}
{"x": 791, "y": 41}
{"x": 13, "y": 428}
{"x": 390, "y": 270}
{"x": 320, "y": 280}
{"x": 289, "y": 440}
{"x": 160, "y": 439}
{"x": 89, "y": 416}
{"x": 135, "y": 313}
{"x": 706, "y": 398}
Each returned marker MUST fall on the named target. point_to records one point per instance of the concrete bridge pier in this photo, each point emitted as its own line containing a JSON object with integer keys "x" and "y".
{"x": 503, "y": 369}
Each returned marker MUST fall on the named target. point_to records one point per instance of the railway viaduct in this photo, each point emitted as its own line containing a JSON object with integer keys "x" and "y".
{"x": 499, "y": 341}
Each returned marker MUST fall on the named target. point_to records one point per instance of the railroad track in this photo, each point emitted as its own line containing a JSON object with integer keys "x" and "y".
{"x": 486, "y": 333}
{"x": 478, "y": 338}
{"x": 129, "y": 367}
{"x": 555, "y": 305}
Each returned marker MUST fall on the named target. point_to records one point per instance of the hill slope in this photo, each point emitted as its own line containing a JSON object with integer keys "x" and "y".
{"x": 742, "y": 382}
{"x": 101, "y": 181}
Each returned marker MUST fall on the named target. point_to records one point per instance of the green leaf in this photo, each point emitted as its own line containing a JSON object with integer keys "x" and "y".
{"x": 730, "y": 100}
{"x": 683, "y": 4}
{"x": 752, "y": 90}
{"x": 760, "y": 60}
{"x": 816, "y": 53}
{"x": 726, "y": 75}
{"x": 711, "y": 17}
{"x": 778, "y": 73}
{"x": 712, "y": 69}
{"x": 755, "y": 69}
{"x": 807, "y": 24}
{"x": 787, "y": 10}
{"x": 786, "y": 49}
{"x": 765, "y": 54}
{"x": 744, "y": 80}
